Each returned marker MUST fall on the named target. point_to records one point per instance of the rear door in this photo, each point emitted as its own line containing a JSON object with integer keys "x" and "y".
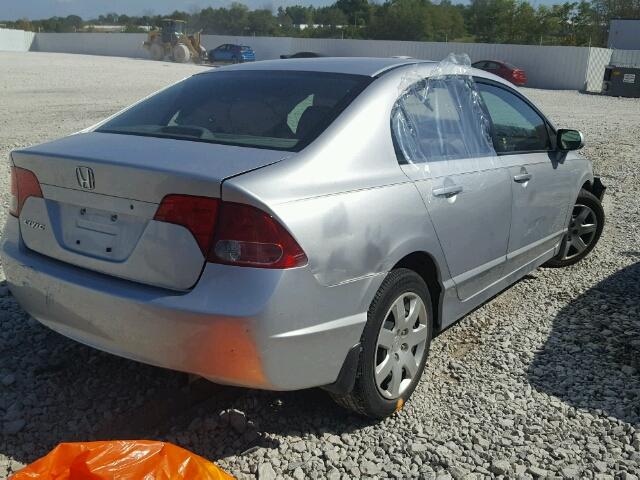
{"x": 439, "y": 136}
{"x": 541, "y": 184}
{"x": 492, "y": 67}
{"x": 227, "y": 52}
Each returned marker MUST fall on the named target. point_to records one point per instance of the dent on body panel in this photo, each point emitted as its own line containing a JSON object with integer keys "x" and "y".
{"x": 355, "y": 247}
{"x": 356, "y": 234}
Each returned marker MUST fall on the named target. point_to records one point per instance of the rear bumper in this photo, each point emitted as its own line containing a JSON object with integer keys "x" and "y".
{"x": 260, "y": 328}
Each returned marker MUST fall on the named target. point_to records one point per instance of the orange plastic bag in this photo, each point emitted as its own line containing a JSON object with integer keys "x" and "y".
{"x": 121, "y": 460}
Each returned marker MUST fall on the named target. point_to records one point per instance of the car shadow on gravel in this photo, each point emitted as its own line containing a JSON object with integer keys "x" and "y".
{"x": 260, "y": 420}
{"x": 54, "y": 390}
{"x": 591, "y": 359}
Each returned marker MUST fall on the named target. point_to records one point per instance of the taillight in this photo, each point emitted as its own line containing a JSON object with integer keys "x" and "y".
{"x": 247, "y": 236}
{"x": 24, "y": 184}
{"x": 232, "y": 233}
{"x": 197, "y": 214}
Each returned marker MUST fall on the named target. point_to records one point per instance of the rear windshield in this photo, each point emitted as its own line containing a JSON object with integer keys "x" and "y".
{"x": 275, "y": 109}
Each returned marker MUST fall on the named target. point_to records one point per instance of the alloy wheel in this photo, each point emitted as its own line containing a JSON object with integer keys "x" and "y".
{"x": 582, "y": 231}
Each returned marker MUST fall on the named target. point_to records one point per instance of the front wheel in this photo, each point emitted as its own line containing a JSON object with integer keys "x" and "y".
{"x": 395, "y": 345}
{"x": 585, "y": 228}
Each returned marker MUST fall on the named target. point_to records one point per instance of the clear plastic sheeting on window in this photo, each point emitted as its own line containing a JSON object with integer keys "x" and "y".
{"x": 439, "y": 116}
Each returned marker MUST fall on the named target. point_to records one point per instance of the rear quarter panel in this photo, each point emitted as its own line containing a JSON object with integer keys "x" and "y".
{"x": 344, "y": 197}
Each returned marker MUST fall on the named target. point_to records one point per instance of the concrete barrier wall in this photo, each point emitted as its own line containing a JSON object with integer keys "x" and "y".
{"x": 552, "y": 67}
{"x": 111, "y": 44}
{"x": 16, "y": 40}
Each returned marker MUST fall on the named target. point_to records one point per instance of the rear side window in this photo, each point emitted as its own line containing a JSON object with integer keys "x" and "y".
{"x": 516, "y": 126}
{"x": 282, "y": 110}
{"x": 440, "y": 119}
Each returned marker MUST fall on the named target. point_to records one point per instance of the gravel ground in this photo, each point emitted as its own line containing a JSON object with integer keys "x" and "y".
{"x": 543, "y": 381}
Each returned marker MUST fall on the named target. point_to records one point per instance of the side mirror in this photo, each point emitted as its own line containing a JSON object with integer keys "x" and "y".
{"x": 569, "y": 139}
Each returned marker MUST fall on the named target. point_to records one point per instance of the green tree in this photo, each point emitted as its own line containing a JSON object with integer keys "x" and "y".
{"x": 402, "y": 20}
{"x": 261, "y": 22}
{"x": 299, "y": 14}
{"x": 331, "y": 16}
{"x": 357, "y": 11}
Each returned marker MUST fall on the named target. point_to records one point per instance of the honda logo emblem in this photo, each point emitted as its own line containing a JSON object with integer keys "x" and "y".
{"x": 85, "y": 178}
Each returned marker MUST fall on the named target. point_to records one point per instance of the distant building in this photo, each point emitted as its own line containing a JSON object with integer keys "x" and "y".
{"x": 104, "y": 28}
{"x": 624, "y": 34}
{"x": 304, "y": 26}
{"x": 113, "y": 28}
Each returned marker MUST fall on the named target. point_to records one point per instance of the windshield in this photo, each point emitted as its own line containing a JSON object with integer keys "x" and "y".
{"x": 275, "y": 109}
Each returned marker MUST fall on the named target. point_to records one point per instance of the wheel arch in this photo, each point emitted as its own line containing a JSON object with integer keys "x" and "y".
{"x": 426, "y": 266}
{"x": 586, "y": 182}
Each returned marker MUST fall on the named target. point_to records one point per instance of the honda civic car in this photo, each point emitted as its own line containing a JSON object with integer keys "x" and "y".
{"x": 510, "y": 72}
{"x": 297, "y": 223}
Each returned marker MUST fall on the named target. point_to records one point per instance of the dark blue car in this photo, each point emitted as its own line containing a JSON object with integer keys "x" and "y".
{"x": 232, "y": 53}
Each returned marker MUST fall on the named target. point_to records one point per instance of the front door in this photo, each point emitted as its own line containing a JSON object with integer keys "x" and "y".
{"x": 541, "y": 185}
{"x": 441, "y": 136}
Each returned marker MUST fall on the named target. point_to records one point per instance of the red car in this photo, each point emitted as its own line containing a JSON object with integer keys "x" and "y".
{"x": 503, "y": 69}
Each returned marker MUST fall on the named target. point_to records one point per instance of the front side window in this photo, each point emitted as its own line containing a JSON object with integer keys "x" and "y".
{"x": 516, "y": 126}
{"x": 282, "y": 110}
{"x": 440, "y": 119}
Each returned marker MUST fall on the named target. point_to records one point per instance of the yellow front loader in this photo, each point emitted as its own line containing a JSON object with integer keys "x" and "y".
{"x": 172, "y": 42}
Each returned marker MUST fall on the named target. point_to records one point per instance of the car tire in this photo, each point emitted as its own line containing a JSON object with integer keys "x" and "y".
{"x": 181, "y": 53}
{"x": 378, "y": 397}
{"x": 585, "y": 228}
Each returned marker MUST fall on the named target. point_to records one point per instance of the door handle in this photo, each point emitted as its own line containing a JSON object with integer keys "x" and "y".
{"x": 522, "y": 177}
{"x": 448, "y": 192}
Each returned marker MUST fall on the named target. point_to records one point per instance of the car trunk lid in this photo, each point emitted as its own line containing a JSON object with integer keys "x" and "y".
{"x": 101, "y": 192}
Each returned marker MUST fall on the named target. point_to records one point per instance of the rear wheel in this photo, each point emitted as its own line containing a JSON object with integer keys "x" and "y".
{"x": 395, "y": 345}
{"x": 585, "y": 228}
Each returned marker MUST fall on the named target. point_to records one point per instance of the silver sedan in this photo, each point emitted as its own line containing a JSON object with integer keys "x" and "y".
{"x": 299, "y": 223}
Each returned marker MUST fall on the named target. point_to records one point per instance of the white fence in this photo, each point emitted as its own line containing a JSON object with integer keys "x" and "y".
{"x": 16, "y": 40}
{"x": 553, "y": 67}
{"x": 598, "y": 59}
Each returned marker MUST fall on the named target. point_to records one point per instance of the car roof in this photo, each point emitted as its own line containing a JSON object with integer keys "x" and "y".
{"x": 369, "y": 66}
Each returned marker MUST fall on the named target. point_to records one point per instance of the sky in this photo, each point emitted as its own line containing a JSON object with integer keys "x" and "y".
{"x": 38, "y": 9}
